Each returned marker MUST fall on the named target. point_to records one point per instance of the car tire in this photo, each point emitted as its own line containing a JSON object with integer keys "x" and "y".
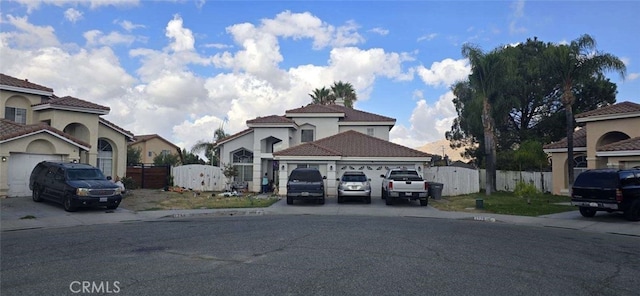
{"x": 340, "y": 199}
{"x": 289, "y": 200}
{"x": 367, "y": 199}
{"x": 587, "y": 212}
{"x": 68, "y": 204}
{"x": 36, "y": 194}
{"x": 424, "y": 202}
{"x": 382, "y": 194}
{"x": 321, "y": 201}
{"x": 633, "y": 212}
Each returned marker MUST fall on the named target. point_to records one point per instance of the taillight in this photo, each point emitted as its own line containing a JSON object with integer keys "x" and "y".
{"x": 426, "y": 186}
{"x": 390, "y": 185}
{"x": 618, "y": 195}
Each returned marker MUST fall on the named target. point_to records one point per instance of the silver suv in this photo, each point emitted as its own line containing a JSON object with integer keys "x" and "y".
{"x": 354, "y": 184}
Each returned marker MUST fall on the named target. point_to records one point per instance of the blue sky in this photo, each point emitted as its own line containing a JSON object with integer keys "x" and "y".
{"x": 179, "y": 68}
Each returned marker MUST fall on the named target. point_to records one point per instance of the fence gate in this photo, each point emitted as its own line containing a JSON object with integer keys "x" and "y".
{"x": 149, "y": 176}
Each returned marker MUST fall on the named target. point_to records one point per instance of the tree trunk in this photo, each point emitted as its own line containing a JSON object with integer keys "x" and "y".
{"x": 570, "y": 161}
{"x": 489, "y": 147}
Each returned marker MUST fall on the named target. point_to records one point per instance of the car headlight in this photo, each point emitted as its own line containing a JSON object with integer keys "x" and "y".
{"x": 119, "y": 190}
{"x": 83, "y": 191}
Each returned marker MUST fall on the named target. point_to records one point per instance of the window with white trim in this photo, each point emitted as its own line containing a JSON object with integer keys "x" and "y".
{"x": 17, "y": 115}
{"x": 243, "y": 162}
{"x": 105, "y": 158}
{"x": 306, "y": 135}
{"x": 370, "y": 131}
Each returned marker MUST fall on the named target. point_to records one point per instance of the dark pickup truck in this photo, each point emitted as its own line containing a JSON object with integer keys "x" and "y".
{"x": 608, "y": 190}
{"x": 305, "y": 184}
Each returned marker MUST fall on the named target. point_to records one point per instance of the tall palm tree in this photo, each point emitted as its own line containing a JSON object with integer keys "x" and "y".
{"x": 345, "y": 91}
{"x": 575, "y": 62}
{"x": 321, "y": 96}
{"x": 209, "y": 148}
{"x": 487, "y": 73}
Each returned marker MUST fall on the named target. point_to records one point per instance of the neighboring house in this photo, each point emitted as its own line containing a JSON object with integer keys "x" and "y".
{"x": 151, "y": 146}
{"x": 36, "y": 125}
{"x": 332, "y": 138}
{"x": 609, "y": 139}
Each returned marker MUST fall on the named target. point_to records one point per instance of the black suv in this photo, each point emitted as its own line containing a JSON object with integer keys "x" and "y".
{"x": 73, "y": 185}
{"x": 305, "y": 184}
{"x": 608, "y": 190}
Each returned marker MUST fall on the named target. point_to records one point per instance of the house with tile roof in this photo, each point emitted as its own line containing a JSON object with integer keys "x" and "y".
{"x": 331, "y": 138}
{"x": 36, "y": 125}
{"x": 153, "y": 145}
{"x": 610, "y": 138}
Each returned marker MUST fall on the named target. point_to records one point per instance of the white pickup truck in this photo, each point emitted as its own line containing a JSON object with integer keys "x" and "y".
{"x": 404, "y": 184}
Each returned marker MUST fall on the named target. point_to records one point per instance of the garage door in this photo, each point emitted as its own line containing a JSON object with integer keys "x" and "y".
{"x": 20, "y": 167}
{"x": 373, "y": 172}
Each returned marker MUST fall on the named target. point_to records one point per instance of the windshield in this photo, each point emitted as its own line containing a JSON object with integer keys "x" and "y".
{"x": 85, "y": 174}
{"x": 354, "y": 178}
{"x": 305, "y": 176}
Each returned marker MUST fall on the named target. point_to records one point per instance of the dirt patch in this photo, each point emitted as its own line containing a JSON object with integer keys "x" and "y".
{"x": 156, "y": 199}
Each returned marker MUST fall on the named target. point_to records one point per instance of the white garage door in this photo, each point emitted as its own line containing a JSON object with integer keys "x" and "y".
{"x": 373, "y": 172}
{"x": 20, "y": 167}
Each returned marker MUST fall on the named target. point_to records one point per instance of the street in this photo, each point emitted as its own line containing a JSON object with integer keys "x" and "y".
{"x": 317, "y": 255}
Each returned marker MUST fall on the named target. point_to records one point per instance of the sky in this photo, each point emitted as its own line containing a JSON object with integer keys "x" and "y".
{"x": 181, "y": 69}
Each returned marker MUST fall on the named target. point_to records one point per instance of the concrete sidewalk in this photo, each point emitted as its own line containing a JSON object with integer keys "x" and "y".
{"x": 20, "y": 213}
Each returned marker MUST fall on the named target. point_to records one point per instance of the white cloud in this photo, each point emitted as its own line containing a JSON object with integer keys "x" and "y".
{"x": 428, "y": 123}
{"x": 93, "y": 4}
{"x": 517, "y": 13}
{"x": 128, "y": 25}
{"x": 217, "y": 45}
{"x": 72, "y": 15}
{"x": 182, "y": 38}
{"x": 445, "y": 72}
{"x": 97, "y": 38}
{"x": 28, "y": 35}
{"x": 380, "y": 31}
{"x": 428, "y": 37}
{"x": 632, "y": 76}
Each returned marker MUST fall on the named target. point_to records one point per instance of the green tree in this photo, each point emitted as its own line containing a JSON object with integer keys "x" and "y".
{"x": 321, "y": 96}
{"x": 190, "y": 158}
{"x": 211, "y": 152}
{"x": 166, "y": 159}
{"x": 345, "y": 91}
{"x": 134, "y": 155}
{"x": 574, "y": 63}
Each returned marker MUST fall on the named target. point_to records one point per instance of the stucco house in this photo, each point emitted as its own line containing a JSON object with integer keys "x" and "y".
{"x": 36, "y": 125}
{"x": 610, "y": 138}
{"x": 332, "y": 138}
{"x": 151, "y": 146}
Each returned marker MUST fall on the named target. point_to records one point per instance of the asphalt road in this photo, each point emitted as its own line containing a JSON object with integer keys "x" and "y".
{"x": 317, "y": 255}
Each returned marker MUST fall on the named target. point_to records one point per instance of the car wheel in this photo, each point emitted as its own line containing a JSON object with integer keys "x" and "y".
{"x": 340, "y": 199}
{"x": 321, "y": 201}
{"x": 36, "y": 194}
{"x": 587, "y": 212}
{"x": 289, "y": 200}
{"x": 382, "y": 194}
{"x": 424, "y": 202}
{"x": 367, "y": 199}
{"x": 112, "y": 207}
{"x": 633, "y": 212}
{"x": 68, "y": 204}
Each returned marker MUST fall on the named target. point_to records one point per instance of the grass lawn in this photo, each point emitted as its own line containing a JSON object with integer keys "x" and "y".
{"x": 154, "y": 200}
{"x": 505, "y": 203}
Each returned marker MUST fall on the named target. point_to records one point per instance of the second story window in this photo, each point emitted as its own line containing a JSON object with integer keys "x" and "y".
{"x": 150, "y": 154}
{"x": 165, "y": 152}
{"x": 370, "y": 131}
{"x": 18, "y": 115}
{"x": 306, "y": 135}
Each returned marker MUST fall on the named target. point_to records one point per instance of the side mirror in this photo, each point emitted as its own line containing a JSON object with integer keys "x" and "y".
{"x": 381, "y": 176}
{"x": 369, "y": 180}
{"x": 324, "y": 177}
{"x": 337, "y": 179}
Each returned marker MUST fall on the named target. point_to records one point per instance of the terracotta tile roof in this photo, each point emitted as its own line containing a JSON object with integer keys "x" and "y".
{"x": 619, "y": 108}
{"x": 234, "y": 136}
{"x": 23, "y": 83}
{"x": 277, "y": 119}
{"x": 112, "y": 125}
{"x": 144, "y": 138}
{"x": 350, "y": 114}
{"x": 579, "y": 140}
{"x": 73, "y": 102}
{"x": 624, "y": 145}
{"x": 10, "y": 130}
{"x": 352, "y": 144}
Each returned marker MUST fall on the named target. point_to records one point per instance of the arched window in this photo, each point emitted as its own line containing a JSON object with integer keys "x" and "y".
{"x": 243, "y": 162}
{"x": 579, "y": 165}
{"x": 105, "y": 157}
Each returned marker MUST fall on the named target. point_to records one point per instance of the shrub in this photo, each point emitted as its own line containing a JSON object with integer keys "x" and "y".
{"x": 527, "y": 190}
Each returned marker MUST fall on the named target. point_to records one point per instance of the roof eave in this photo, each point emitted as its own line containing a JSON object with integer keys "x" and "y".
{"x": 26, "y": 90}
{"x": 618, "y": 153}
{"x": 48, "y": 132}
{"x": 608, "y": 117}
{"x": 68, "y": 108}
{"x": 560, "y": 150}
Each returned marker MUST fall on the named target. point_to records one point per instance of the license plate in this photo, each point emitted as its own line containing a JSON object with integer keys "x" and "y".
{"x": 103, "y": 199}
{"x": 304, "y": 193}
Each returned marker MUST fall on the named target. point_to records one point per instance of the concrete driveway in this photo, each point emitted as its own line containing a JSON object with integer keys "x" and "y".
{"x": 22, "y": 213}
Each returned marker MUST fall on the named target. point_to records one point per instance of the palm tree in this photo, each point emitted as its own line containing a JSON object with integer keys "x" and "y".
{"x": 573, "y": 63}
{"x": 209, "y": 148}
{"x": 345, "y": 91}
{"x": 321, "y": 96}
{"x": 487, "y": 73}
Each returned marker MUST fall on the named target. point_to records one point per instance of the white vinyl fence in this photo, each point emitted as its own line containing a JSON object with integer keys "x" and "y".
{"x": 507, "y": 180}
{"x": 456, "y": 180}
{"x": 199, "y": 177}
